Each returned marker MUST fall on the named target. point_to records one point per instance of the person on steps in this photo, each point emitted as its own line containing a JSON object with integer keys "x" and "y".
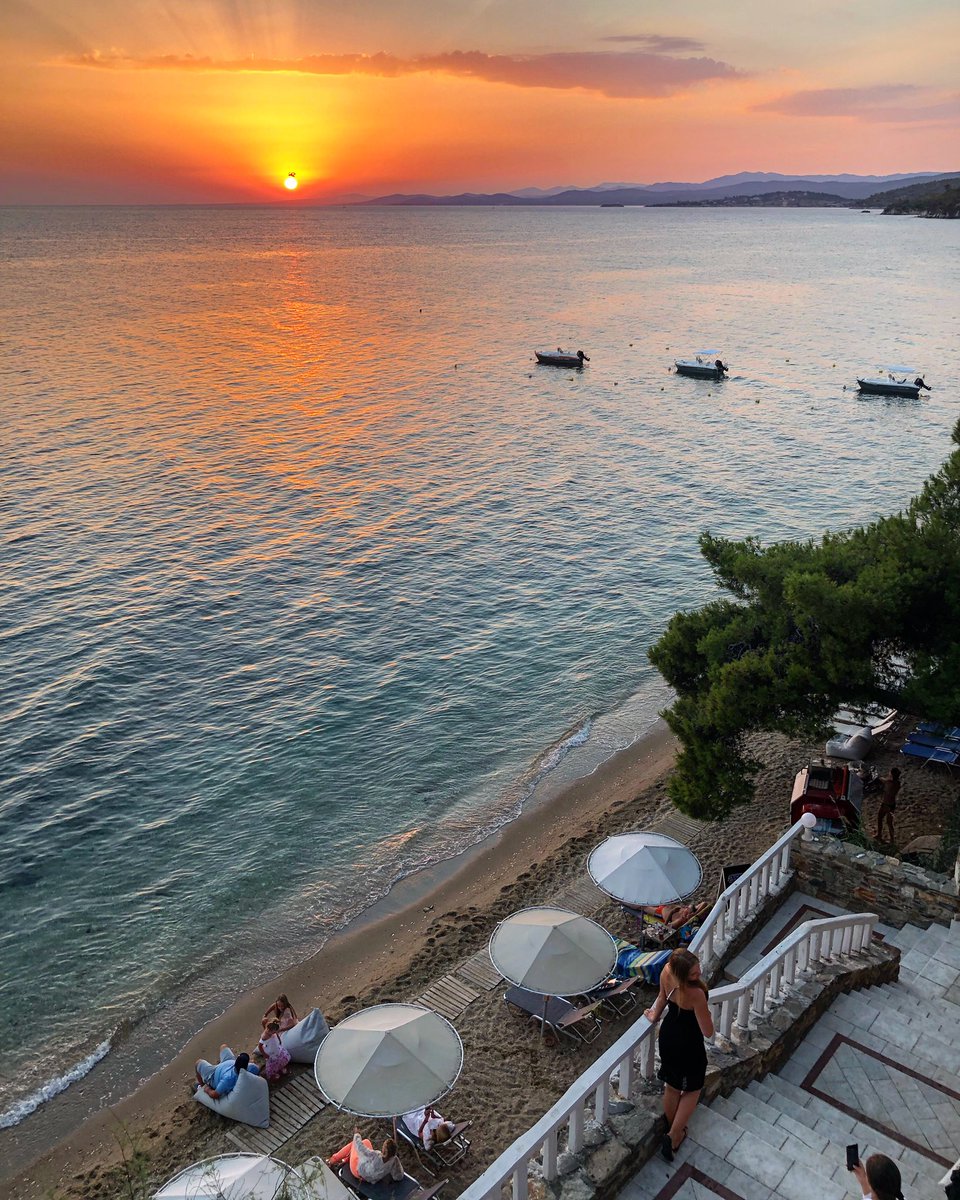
{"x": 683, "y": 1055}
{"x": 879, "y": 1178}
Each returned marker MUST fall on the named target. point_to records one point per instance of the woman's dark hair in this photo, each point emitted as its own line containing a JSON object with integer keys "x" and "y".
{"x": 681, "y": 962}
{"x": 883, "y": 1175}
{"x": 282, "y": 1003}
{"x": 241, "y": 1062}
{"x": 895, "y": 773}
{"x": 389, "y": 1149}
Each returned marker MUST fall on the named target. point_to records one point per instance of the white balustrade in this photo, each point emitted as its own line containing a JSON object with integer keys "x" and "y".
{"x": 748, "y": 998}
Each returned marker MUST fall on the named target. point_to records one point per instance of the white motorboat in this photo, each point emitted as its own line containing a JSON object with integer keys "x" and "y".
{"x": 703, "y": 364}
{"x": 561, "y": 358}
{"x": 894, "y": 381}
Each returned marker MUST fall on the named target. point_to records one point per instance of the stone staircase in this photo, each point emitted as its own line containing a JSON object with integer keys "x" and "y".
{"x": 881, "y": 1068}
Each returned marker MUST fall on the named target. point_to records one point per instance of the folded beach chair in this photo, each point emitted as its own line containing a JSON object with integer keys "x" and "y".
{"x": 388, "y": 1189}
{"x": 441, "y": 1154}
{"x": 561, "y": 1017}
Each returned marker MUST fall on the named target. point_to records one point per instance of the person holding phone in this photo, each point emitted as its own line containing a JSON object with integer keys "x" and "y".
{"x": 879, "y": 1177}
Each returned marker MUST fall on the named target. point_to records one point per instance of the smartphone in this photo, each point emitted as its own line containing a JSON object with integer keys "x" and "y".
{"x": 853, "y": 1156}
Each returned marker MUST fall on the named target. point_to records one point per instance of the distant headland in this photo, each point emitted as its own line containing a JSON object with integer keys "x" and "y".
{"x": 922, "y": 193}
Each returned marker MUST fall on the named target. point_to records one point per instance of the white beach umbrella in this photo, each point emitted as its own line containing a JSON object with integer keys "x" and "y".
{"x": 552, "y": 952}
{"x": 230, "y": 1177}
{"x": 644, "y": 869}
{"x": 388, "y": 1060}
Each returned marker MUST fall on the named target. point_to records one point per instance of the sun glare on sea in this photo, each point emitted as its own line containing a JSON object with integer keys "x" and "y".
{"x": 290, "y": 183}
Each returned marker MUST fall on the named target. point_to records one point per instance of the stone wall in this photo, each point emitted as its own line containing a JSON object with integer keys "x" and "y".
{"x": 617, "y": 1149}
{"x": 865, "y": 881}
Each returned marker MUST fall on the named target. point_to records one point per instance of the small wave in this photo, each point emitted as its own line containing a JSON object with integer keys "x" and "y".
{"x": 53, "y": 1087}
{"x": 555, "y": 754}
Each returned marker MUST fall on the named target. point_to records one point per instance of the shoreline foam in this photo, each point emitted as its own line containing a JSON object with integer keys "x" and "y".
{"x": 51, "y": 1137}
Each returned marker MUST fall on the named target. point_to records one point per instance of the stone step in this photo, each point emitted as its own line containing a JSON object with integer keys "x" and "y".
{"x": 821, "y": 1150}
{"x": 875, "y": 1013}
{"x": 921, "y": 1051}
{"x": 927, "y": 989}
{"x": 903, "y": 1000}
{"x": 792, "y": 1172}
{"x": 821, "y": 1119}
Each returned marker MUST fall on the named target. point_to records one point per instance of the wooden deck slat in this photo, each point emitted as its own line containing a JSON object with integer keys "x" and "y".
{"x": 291, "y": 1107}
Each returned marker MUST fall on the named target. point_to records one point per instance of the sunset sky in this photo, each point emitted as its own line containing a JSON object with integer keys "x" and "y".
{"x": 218, "y": 100}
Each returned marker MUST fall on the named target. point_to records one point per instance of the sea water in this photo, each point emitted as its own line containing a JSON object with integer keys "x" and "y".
{"x": 311, "y": 577}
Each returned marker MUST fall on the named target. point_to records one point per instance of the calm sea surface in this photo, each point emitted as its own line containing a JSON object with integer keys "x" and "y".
{"x": 310, "y": 576}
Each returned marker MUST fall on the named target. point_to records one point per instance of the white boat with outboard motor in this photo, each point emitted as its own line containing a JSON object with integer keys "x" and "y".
{"x": 895, "y": 381}
{"x": 702, "y": 364}
{"x": 561, "y": 358}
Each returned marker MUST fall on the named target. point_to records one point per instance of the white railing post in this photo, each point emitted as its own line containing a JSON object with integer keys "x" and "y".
{"x": 743, "y": 1011}
{"x": 550, "y": 1155}
{"x": 575, "y": 1129}
{"x": 602, "y": 1101}
{"x": 648, "y": 1054}
{"x": 520, "y": 1181}
{"x": 625, "y": 1086}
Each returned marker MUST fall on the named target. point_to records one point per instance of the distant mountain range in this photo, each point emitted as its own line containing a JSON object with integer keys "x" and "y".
{"x": 745, "y": 183}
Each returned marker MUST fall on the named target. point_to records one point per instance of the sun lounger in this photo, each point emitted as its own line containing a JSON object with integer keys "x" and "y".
{"x": 933, "y": 740}
{"x": 619, "y": 995}
{"x": 560, "y": 1016}
{"x": 667, "y": 933}
{"x": 632, "y": 962}
{"x": 942, "y": 755}
{"x": 441, "y": 1154}
{"x": 406, "y": 1188}
{"x": 940, "y": 731}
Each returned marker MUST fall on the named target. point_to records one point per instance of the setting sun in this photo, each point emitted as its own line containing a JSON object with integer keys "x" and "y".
{"x": 291, "y": 181}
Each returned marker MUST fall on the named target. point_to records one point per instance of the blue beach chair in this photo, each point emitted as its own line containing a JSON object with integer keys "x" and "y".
{"x": 940, "y": 755}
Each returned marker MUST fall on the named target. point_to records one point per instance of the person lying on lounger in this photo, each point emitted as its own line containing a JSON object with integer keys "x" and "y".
{"x": 678, "y": 915}
{"x": 427, "y": 1125}
{"x": 219, "y": 1079}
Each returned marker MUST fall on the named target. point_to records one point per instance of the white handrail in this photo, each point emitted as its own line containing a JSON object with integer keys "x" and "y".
{"x": 765, "y": 877}
{"x": 760, "y": 987}
{"x": 813, "y": 941}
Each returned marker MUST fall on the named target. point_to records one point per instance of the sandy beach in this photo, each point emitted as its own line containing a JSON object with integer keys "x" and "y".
{"x": 429, "y": 923}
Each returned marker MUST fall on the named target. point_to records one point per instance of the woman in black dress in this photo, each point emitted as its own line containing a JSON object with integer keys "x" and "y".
{"x": 683, "y": 1056}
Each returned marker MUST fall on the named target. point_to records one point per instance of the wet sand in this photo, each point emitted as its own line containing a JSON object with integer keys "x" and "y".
{"x": 428, "y": 924}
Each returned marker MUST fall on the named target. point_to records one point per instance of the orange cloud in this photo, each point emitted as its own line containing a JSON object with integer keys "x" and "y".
{"x": 629, "y": 74}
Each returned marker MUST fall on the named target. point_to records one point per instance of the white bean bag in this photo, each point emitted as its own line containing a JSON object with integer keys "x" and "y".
{"x": 302, "y": 1040}
{"x": 851, "y": 746}
{"x": 248, "y": 1102}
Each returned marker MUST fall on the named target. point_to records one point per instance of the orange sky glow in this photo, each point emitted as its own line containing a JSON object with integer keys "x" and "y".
{"x": 218, "y": 101}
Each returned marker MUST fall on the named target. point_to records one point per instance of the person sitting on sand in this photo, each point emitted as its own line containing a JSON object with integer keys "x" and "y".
{"x": 281, "y": 1010}
{"x": 219, "y": 1080}
{"x": 276, "y": 1056}
{"x": 428, "y": 1125}
{"x": 368, "y": 1164}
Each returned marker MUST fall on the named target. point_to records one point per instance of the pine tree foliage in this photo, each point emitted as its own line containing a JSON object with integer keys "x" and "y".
{"x": 864, "y": 617}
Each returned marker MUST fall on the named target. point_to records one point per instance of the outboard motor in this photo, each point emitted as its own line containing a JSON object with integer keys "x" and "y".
{"x": 918, "y": 382}
{"x": 583, "y": 357}
{"x": 720, "y": 367}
